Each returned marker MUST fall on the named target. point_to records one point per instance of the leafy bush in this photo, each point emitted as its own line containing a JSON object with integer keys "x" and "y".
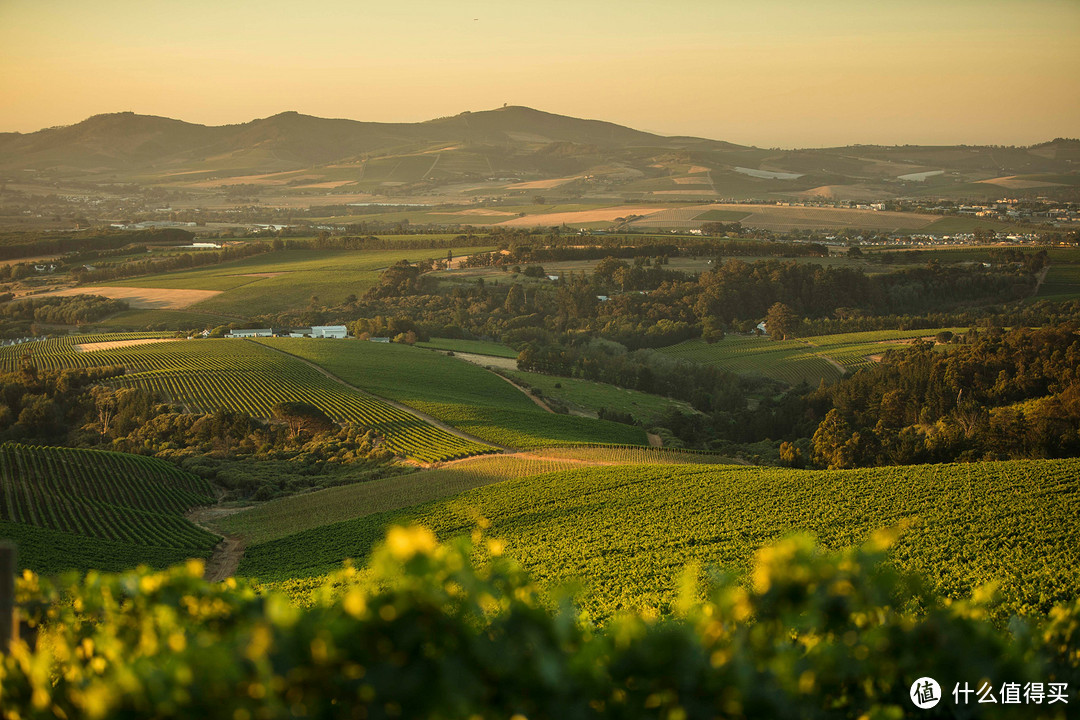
{"x": 426, "y": 632}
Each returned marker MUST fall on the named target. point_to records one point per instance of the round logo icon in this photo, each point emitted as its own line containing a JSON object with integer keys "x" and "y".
{"x": 925, "y": 693}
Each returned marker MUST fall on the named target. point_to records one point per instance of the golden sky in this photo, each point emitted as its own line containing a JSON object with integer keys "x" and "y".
{"x": 768, "y": 73}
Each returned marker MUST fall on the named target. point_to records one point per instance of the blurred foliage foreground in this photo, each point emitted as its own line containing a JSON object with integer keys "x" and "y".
{"x": 430, "y": 633}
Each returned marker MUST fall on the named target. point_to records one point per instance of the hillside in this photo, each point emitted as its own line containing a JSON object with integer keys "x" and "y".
{"x": 626, "y": 533}
{"x": 508, "y": 152}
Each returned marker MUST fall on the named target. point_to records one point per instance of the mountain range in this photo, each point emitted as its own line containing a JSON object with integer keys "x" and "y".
{"x": 511, "y": 150}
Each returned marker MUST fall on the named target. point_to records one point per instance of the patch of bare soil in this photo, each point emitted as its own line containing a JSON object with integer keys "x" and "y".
{"x": 113, "y": 344}
{"x": 226, "y": 557}
{"x": 141, "y": 298}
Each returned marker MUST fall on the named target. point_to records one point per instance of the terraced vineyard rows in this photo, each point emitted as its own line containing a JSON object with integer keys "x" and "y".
{"x": 204, "y": 375}
{"x": 112, "y": 496}
{"x": 256, "y": 392}
{"x": 460, "y": 394}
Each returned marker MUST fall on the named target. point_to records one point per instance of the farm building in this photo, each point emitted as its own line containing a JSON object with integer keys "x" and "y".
{"x": 252, "y": 332}
{"x": 380, "y": 339}
{"x": 329, "y": 331}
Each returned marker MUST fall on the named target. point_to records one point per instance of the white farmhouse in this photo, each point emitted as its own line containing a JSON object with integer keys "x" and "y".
{"x": 252, "y": 332}
{"x": 329, "y": 331}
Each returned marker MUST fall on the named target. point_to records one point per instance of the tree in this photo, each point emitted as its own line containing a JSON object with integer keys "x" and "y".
{"x": 791, "y": 456}
{"x": 780, "y": 321}
{"x": 302, "y": 417}
{"x": 832, "y": 443}
{"x": 515, "y": 300}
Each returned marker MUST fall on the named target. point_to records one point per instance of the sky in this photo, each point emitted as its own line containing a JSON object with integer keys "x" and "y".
{"x": 771, "y": 73}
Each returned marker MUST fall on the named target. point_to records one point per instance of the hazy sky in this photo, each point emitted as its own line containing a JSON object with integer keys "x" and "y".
{"x": 768, "y": 73}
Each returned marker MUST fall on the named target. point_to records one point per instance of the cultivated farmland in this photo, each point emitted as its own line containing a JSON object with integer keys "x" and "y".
{"x": 283, "y": 280}
{"x": 107, "y": 496}
{"x": 810, "y": 359}
{"x": 204, "y": 375}
{"x": 462, "y": 395}
{"x": 627, "y": 533}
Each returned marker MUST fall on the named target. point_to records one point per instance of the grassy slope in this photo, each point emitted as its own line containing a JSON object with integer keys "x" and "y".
{"x": 458, "y": 393}
{"x": 792, "y": 361}
{"x": 789, "y": 361}
{"x": 591, "y": 396}
{"x": 476, "y": 347}
{"x": 294, "y": 514}
{"x": 626, "y": 534}
{"x": 290, "y": 515}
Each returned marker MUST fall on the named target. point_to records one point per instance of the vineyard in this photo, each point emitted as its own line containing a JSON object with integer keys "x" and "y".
{"x": 127, "y": 499}
{"x": 626, "y": 533}
{"x": 460, "y": 394}
{"x": 204, "y": 375}
{"x": 430, "y": 630}
{"x": 59, "y": 353}
{"x": 290, "y": 515}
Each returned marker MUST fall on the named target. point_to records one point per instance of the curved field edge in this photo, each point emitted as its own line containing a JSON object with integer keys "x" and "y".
{"x": 285, "y": 516}
{"x": 626, "y": 534}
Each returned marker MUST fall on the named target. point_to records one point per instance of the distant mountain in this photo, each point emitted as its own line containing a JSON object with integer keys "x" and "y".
{"x": 127, "y": 140}
{"x": 515, "y": 146}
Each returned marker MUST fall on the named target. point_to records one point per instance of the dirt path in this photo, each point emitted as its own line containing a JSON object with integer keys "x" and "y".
{"x": 225, "y": 559}
{"x": 392, "y": 403}
{"x": 826, "y": 358}
{"x": 834, "y": 363}
{"x": 655, "y": 440}
{"x": 1039, "y": 280}
{"x": 528, "y": 394}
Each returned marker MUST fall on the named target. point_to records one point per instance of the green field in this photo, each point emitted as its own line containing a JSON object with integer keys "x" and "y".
{"x": 590, "y": 397}
{"x": 1062, "y": 283}
{"x": 788, "y": 361}
{"x": 460, "y": 394}
{"x": 204, "y": 375}
{"x": 476, "y": 347}
{"x": 297, "y": 513}
{"x": 627, "y": 533}
{"x": 290, "y": 515}
{"x": 107, "y": 498}
{"x": 285, "y": 280}
{"x": 726, "y": 216}
{"x": 956, "y": 225}
{"x": 794, "y": 361}
{"x": 164, "y": 320}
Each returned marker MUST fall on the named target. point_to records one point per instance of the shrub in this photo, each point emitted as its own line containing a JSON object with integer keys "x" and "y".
{"x": 426, "y": 631}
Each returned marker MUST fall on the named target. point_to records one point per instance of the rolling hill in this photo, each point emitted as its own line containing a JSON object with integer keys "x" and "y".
{"x": 509, "y": 152}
